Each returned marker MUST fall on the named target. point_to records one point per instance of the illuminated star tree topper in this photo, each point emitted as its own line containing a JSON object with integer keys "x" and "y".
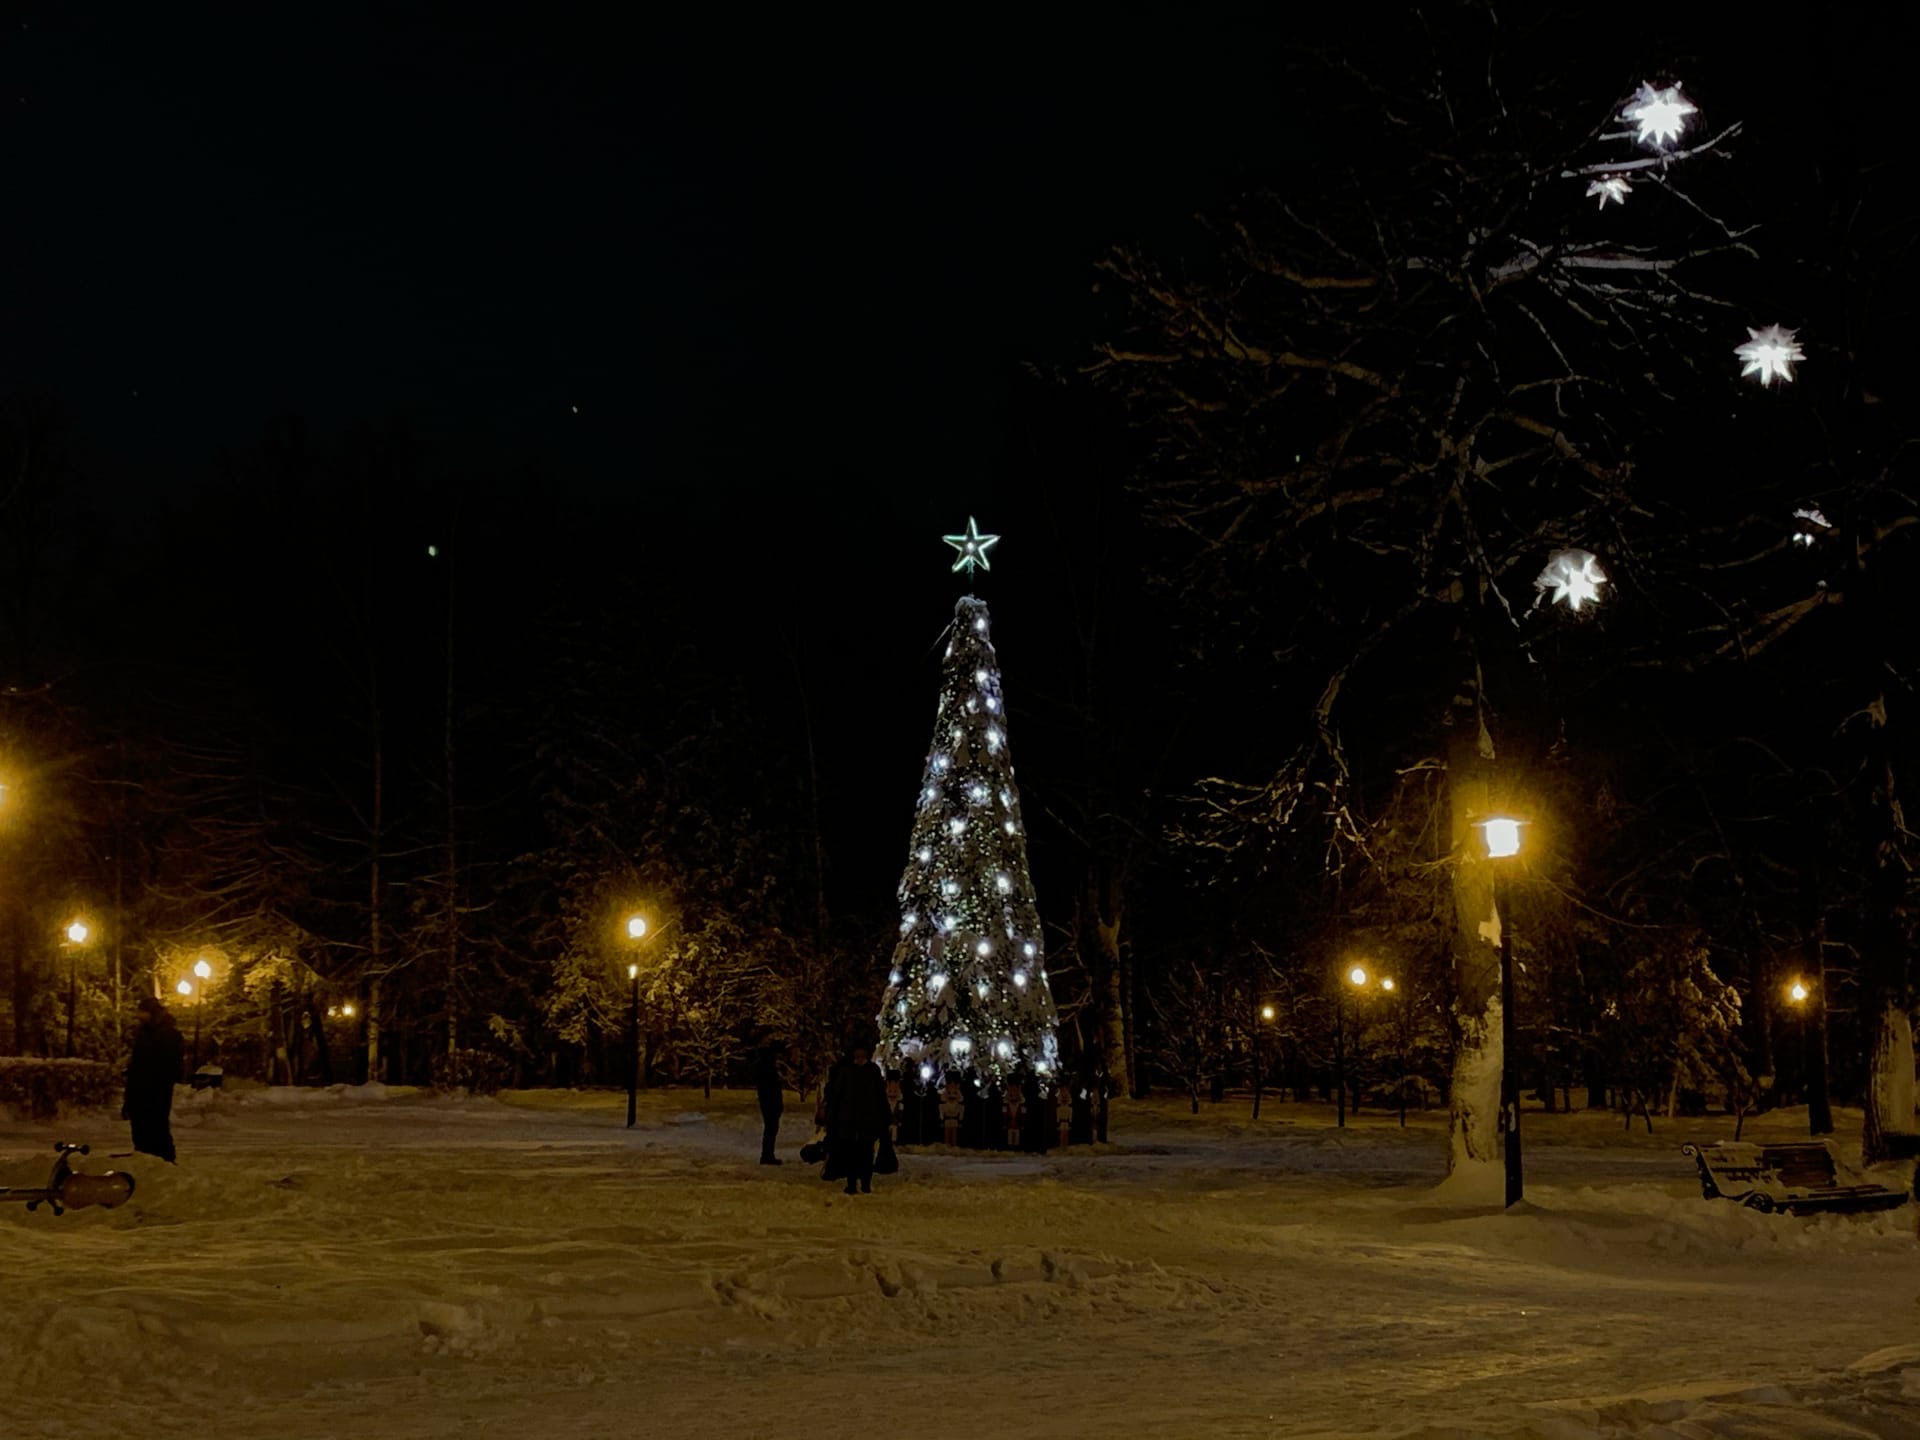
{"x": 1658, "y": 115}
{"x": 1770, "y": 353}
{"x": 973, "y": 547}
{"x": 1574, "y": 577}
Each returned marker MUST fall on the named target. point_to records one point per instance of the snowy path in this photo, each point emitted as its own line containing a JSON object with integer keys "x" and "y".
{"x": 421, "y": 1269}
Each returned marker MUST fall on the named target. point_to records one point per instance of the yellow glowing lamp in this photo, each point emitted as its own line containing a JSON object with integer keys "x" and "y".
{"x": 1357, "y": 975}
{"x": 202, "y": 968}
{"x": 347, "y": 1010}
{"x": 78, "y": 932}
{"x": 1502, "y": 836}
{"x": 1266, "y": 1012}
{"x": 633, "y": 972}
{"x": 636, "y": 926}
{"x": 1798, "y": 992}
{"x": 185, "y": 987}
{"x": 1387, "y": 984}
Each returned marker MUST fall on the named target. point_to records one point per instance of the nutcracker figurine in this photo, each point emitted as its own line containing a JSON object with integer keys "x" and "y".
{"x": 1013, "y": 1105}
{"x": 1063, "y": 1113}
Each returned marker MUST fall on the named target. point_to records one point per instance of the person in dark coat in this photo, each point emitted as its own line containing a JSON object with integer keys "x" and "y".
{"x": 856, "y": 1116}
{"x": 152, "y": 1072}
{"x": 767, "y": 1083}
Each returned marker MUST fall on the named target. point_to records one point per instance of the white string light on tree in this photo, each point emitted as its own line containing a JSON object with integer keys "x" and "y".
{"x": 1770, "y": 353}
{"x": 1573, "y": 576}
{"x": 1611, "y": 187}
{"x": 1658, "y": 115}
{"x": 967, "y": 989}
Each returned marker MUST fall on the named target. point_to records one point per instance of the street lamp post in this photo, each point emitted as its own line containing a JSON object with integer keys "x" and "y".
{"x": 1388, "y": 984}
{"x": 1502, "y": 837}
{"x": 636, "y": 932}
{"x": 77, "y": 934}
{"x": 205, "y": 972}
{"x": 1811, "y": 1008}
{"x": 1265, "y": 1018}
{"x": 1356, "y": 977}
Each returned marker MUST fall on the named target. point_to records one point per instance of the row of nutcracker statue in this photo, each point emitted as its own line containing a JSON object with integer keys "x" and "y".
{"x": 1015, "y": 1114}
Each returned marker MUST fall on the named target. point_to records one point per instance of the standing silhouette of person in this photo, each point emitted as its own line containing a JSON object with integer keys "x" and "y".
{"x": 766, "y": 1082}
{"x": 856, "y": 1116}
{"x": 152, "y": 1072}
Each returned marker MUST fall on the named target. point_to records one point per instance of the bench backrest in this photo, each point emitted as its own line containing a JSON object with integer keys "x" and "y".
{"x": 1801, "y": 1167}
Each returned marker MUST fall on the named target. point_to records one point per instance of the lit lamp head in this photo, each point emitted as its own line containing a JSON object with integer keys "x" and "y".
{"x": 1501, "y": 835}
{"x": 1797, "y": 992}
{"x": 78, "y": 932}
{"x": 202, "y": 968}
{"x": 636, "y": 927}
{"x": 347, "y": 1010}
{"x": 1357, "y": 976}
{"x": 633, "y": 972}
{"x": 185, "y": 987}
{"x": 1387, "y": 984}
{"x": 1266, "y": 1012}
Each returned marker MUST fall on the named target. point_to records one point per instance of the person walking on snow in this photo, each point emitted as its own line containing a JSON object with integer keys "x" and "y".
{"x": 152, "y": 1072}
{"x": 766, "y": 1081}
{"x": 856, "y": 1116}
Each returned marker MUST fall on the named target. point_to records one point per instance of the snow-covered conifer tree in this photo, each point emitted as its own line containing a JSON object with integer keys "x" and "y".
{"x": 968, "y": 987}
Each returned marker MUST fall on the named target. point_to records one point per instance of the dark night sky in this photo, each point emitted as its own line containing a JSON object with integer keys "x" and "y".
{"x": 788, "y": 272}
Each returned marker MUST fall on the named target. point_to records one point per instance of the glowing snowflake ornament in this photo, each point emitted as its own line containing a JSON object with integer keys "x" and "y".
{"x": 1658, "y": 115}
{"x": 1611, "y": 187}
{"x": 1770, "y": 353}
{"x": 1574, "y": 577}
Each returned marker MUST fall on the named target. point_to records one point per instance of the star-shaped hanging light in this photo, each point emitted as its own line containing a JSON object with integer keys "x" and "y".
{"x": 1610, "y": 187}
{"x": 1574, "y": 577}
{"x": 1659, "y": 115}
{"x": 1770, "y": 353}
{"x": 973, "y": 547}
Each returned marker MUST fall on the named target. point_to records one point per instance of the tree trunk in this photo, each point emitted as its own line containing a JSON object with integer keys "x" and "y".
{"x": 1104, "y": 910}
{"x": 453, "y": 847}
{"x": 1889, "y": 1084}
{"x": 1474, "y": 1134}
{"x": 1814, "y": 1030}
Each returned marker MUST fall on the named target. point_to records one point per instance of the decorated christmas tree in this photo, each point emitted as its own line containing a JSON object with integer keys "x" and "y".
{"x": 968, "y": 987}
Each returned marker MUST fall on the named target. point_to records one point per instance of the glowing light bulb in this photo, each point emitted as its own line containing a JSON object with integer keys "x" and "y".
{"x": 1019, "y": 979}
{"x": 981, "y": 989}
{"x": 940, "y": 763}
{"x": 959, "y": 1044}
{"x": 993, "y": 738}
{"x": 980, "y": 677}
{"x": 1027, "y": 949}
{"x": 893, "y": 977}
{"x": 993, "y": 705}
{"x": 957, "y": 825}
{"x": 1003, "y": 1048}
{"x": 980, "y": 625}
{"x": 985, "y": 947}
{"x": 1009, "y": 827}
{"x": 926, "y": 1072}
{"x": 1502, "y": 835}
{"x": 935, "y": 984}
{"x": 1357, "y": 975}
{"x": 926, "y": 854}
{"x": 1003, "y": 883}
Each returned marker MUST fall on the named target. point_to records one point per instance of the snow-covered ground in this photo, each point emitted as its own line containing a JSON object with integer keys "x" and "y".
{"x": 346, "y": 1264}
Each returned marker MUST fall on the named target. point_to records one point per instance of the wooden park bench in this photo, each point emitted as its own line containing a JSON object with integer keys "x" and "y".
{"x": 1801, "y": 1177}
